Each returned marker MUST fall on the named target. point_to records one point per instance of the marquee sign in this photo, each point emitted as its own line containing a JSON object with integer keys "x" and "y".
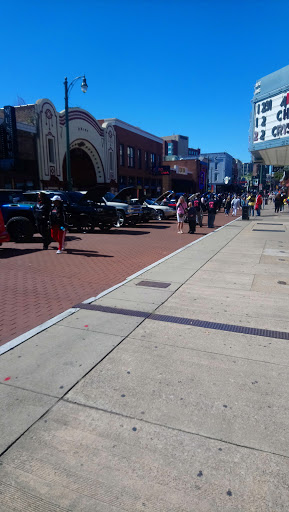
{"x": 271, "y": 118}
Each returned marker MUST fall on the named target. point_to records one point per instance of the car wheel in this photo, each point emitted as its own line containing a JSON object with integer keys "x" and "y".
{"x": 160, "y": 215}
{"x": 121, "y": 219}
{"x": 20, "y": 229}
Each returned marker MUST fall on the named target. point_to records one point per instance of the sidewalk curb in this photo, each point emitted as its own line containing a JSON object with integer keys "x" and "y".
{"x": 49, "y": 323}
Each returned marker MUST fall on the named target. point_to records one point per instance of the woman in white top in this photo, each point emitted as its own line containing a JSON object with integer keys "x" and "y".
{"x": 181, "y": 210}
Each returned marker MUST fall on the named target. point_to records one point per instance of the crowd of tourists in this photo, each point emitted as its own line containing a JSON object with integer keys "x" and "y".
{"x": 191, "y": 208}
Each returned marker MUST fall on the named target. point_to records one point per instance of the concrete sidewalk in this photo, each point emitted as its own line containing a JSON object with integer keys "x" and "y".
{"x": 169, "y": 394}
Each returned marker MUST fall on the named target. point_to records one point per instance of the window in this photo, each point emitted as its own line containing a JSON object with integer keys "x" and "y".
{"x": 51, "y": 151}
{"x": 153, "y": 160}
{"x": 139, "y": 158}
{"x": 130, "y": 156}
{"x": 110, "y": 161}
{"x": 122, "y": 181}
{"x": 121, "y": 154}
{"x": 159, "y": 160}
{"x": 147, "y": 160}
{"x": 216, "y": 177}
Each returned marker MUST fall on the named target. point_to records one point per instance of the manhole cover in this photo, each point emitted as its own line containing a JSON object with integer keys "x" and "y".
{"x": 282, "y": 282}
{"x": 281, "y": 259}
{"x": 153, "y": 284}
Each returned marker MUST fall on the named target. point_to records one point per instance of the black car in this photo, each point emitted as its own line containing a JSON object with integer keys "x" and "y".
{"x": 83, "y": 212}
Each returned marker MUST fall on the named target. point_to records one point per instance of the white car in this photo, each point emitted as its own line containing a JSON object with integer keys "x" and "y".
{"x": 163, "y": 212}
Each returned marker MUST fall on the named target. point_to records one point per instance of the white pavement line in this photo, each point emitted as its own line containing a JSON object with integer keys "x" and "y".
{"x": 36, "y": 330}
{"x": 29, "y": 334}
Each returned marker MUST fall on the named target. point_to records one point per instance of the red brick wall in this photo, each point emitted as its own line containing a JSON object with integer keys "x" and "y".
{"x": 192, "y": 165}
{"x": 136, "y": 141}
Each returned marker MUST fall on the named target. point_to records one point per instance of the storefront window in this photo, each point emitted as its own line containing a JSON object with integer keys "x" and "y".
{"x": 121, "y": 154}
{"x": 139, "y": 158}
{"x": 130, "y": 156}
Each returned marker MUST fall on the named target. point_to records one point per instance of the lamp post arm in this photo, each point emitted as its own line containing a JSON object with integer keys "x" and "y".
{"x": 73, "y": 82}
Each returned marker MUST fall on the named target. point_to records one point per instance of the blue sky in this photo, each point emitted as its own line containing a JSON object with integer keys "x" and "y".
{"x": 183, "y": 67}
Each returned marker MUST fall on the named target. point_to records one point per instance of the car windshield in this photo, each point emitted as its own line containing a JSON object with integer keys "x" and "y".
{"x": 150, "y": 201}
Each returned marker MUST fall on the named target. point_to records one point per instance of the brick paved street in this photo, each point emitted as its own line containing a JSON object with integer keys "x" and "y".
{"x": 37, "y": 285}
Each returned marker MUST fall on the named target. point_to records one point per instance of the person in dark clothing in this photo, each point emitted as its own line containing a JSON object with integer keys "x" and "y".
{"x": 41, "y": 214}
{"x": 278, "y": 202}
{"x": 227, "y": 207}
{"x": 191, "y": 218}
{"x": 57, "y": 221}
{"x": 198, "y": 206}
{"x": 212, "y": 208}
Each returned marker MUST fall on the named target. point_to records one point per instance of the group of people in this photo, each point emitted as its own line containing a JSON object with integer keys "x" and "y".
{"x": 234, "y": 203}
{"x": 50, "y": 220}
{"x": 193, "y": 210}
{"x": 280, "y": 200}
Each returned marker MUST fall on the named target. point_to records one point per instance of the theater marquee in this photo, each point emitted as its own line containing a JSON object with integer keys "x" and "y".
{"x": 271, "y": 118}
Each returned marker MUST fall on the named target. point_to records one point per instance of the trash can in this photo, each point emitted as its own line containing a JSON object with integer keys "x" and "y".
{"x": 245, "y": 212}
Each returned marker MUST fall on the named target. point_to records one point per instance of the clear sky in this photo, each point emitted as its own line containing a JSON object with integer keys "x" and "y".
{"x": 168, "y": 66}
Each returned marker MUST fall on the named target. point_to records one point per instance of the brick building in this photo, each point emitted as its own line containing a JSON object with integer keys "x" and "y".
{"x": 186, "y": 175}
{"x": 139, "y": 157}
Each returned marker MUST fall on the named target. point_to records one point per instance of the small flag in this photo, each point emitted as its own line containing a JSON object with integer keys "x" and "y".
{"x": 287, "y": 98}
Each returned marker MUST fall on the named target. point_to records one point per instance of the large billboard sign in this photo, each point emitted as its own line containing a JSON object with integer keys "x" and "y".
{"x": 271, "y": 118}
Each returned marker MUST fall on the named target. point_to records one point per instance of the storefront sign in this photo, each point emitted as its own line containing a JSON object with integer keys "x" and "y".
{"x": 202, "y": 179}
{"x": 161, "y": 171}
{"x": 181, "y": 170}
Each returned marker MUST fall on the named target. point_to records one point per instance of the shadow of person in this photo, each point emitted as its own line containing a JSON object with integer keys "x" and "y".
{"x": 6, "y": 253}
{"x": 88, "y": 254}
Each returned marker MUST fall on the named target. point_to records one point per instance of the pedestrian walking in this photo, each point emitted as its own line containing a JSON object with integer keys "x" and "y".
{"x": 251, "y": 203}
{"x": 234, "y": 205}
{"x": 57, "y": 221}
{"x": 211, "y": 212}
{"x": 258, "y": 204}
{"x": 192, "y": 214}
{"x": 277, "y": 201}
{"x": 228, "y": 205}
{"x": 199, "y": 211}
{"x": 181, "y": 211}
{"x": 41, "y": 213}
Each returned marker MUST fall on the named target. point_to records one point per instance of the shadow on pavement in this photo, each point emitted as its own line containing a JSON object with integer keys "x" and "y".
{"x": 151, "y": 226}
{"x": 6, "y": 253}
{"x": 120, "y": 231}
{"x": 88, "y": 254}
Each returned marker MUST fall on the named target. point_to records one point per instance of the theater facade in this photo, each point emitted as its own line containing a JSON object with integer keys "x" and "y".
{"x": 92, "y": 148}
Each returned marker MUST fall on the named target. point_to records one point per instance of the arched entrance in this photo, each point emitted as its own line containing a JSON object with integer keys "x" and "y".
{"x": 86, "y": 166}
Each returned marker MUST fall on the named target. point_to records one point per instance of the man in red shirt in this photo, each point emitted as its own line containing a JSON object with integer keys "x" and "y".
{"x": 258, "y": 204}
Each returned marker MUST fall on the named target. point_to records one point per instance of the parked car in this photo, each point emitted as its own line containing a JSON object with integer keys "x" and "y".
{"x": 167, "y": 199}
{"x": 129, "y": 212}
{"x": 81, "y": 213}
{"x": 147, "y": 213}
{"x": 4, "y": 236}
{"x": 163, "y": 212}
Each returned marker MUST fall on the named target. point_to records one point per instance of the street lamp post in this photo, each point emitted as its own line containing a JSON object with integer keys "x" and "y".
{"x": 67, "y": 89}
